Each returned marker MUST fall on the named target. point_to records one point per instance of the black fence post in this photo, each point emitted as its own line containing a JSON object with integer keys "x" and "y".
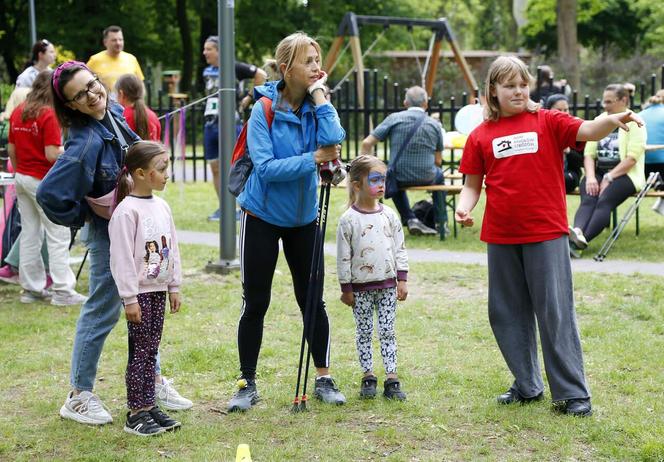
{"x": 367, "y": 102}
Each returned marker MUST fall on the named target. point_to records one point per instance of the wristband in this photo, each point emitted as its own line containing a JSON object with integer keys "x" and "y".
{"x": 608, "y": 177}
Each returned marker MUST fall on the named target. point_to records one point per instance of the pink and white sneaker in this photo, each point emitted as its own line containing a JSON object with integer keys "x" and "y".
{"x": 8, "y": 275}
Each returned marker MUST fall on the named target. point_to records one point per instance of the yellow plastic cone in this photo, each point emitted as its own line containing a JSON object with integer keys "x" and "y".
{"x": 243, "y": 454}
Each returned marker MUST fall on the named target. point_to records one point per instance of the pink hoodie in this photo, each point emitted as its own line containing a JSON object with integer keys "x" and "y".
{"x": 144, "y": 248}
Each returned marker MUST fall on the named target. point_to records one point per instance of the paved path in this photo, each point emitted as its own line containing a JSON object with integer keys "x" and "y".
{"x": 470, "y": 258}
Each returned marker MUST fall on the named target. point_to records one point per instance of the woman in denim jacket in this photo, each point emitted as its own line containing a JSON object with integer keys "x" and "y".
{"x": 89, "y": 168}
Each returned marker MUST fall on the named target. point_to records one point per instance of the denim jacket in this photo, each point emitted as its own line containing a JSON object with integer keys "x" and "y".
{"x": 89, "y": 166}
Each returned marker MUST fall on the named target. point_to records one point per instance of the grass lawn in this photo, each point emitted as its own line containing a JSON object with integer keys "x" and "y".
{"x": 449, "y": 364}
{"x": 193, "y": 202}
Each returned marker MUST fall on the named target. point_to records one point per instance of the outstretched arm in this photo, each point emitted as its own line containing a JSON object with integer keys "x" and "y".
{"x": 593, "y": 130}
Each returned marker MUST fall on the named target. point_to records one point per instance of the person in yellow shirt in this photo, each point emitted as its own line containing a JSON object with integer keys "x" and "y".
{"x": 113, "y": 62}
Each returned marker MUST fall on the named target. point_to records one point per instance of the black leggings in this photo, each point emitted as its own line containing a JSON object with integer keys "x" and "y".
{"x": 594, "y": 213}
{"x": 259, "y": 250}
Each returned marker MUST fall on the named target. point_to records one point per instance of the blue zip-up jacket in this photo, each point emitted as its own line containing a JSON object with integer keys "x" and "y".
{"x": 282, "y": 186}
{"x": 89, "y": 166}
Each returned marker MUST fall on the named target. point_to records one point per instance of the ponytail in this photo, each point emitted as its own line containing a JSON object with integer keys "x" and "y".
{"x": 124, "y": 186}
{"x": 141, "y": 119}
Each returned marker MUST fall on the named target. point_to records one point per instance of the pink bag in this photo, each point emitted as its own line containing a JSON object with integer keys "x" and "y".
{"x": 103, "y": 206}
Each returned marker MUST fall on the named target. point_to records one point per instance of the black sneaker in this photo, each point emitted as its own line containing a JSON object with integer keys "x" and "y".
{"x": 368, "y": 388}
{"x": 326, "y": 391}
{"x": 142, "y": 424}
{"x": 245, "y": 397}
{"x": 578, "y": 407}
{"x": 392, "y": 390}
{"x": 163, "y": 419}
{"x": 513, "y": 396}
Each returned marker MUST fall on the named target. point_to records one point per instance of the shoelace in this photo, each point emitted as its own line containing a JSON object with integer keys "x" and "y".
{"x": 170, "y": 391}
{"x": 91, "y": 403}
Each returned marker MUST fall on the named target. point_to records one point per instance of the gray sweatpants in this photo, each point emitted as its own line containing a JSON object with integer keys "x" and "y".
{"x": 529, "y": 282}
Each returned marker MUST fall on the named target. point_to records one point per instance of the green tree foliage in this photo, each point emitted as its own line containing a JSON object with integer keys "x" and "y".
{"x": 618, "y": 25}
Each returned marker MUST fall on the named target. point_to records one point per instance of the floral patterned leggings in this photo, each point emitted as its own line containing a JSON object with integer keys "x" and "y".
{"x": 384, "y": 301}
{"x": 144, "y": 341}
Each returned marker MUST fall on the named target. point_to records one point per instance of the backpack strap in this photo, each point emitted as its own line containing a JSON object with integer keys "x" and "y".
{"x": 267, "y": 110}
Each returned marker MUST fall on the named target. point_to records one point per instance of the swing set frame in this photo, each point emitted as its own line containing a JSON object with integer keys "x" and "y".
{"x": 350, "y": 27}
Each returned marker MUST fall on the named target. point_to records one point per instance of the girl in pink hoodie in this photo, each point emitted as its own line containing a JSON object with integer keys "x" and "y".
{"x": 144, "y": 272}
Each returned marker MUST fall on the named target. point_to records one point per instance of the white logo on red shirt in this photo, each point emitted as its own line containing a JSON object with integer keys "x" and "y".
{"x": 514, "y": 145}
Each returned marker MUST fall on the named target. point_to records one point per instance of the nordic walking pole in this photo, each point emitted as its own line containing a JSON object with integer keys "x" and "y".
{"x": 308, "y": 302}
{"x": 320, "y": 280}
{"x": 615, "y": 233}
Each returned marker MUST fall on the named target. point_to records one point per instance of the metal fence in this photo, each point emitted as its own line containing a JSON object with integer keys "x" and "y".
{"x": 360, "y": 113}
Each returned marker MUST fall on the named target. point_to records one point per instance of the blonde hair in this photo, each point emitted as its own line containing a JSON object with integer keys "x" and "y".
{"x": 358, "y": 170}
{"x": 501, "y": 70}
{"x": 292, "y": 48}
{"x": 657, "y": 98}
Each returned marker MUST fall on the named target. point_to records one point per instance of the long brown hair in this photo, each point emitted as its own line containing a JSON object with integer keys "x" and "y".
{"x": 132, "y": 90}
{"x": 139, "y": 155}
{"x": 358, "y": 171}
{"x": 39, "y": 97}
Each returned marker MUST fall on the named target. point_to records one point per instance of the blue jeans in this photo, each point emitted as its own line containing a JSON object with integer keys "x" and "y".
{"x": 403, "y": 206}
{"x": 99, "y": 314}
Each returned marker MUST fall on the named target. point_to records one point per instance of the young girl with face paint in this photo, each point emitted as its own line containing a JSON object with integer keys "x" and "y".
{"x": 372, "y": 265}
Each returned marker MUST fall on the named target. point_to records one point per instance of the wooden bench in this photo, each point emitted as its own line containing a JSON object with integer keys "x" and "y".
{"x": 454, "y": 189}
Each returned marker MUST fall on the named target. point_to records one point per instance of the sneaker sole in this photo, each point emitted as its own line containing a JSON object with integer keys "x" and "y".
{"x": 173, "y": 427}
{"x": 15, "y": 280}
{"x": 131, "y": 431}
{"x": 54, "y": 303}
{"x": 338, "y": 403}
{"x": 238, "y": 408}
{"x": 65, "y": 413}
{"x": 174, "y": 407}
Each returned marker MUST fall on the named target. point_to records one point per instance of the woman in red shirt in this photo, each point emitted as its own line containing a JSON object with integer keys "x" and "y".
{"x": 140, "y": 118}
{"x": 35, "y": 142}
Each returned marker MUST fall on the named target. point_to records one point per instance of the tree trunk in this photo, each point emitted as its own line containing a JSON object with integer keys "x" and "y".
{"x": 185, "y": 36}
{"x": 567, "y": 41}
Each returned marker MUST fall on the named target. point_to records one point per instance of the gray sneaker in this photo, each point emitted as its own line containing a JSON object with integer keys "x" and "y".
{"x": 245, "y": 397}
{"x": 417, "y": 228}
{"x": 326, "y": 391}
{"x": 85, "y": 408}
{"x": 68, "y": 299}
{"x": 29, "y": 296}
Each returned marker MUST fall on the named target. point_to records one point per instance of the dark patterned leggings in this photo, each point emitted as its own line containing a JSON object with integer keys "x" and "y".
{"x": 384, "y": 301}
{"x": 144, "y": 341}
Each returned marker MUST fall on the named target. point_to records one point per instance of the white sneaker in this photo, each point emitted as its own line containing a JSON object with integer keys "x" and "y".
{"x": 29, "y": 296}
{"x": 68, "y": 299}
{"x": 169, "y": 398}
{"x": 85, "y": 408}
{"x": 576, "y": 236}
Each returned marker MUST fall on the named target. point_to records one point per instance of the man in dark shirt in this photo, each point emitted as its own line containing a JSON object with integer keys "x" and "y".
{"x": 211, "y": 128}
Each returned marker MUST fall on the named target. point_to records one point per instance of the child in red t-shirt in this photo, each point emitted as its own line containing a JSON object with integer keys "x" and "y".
{"x": 517, "y": 152}
{"x": 35, "y": 142}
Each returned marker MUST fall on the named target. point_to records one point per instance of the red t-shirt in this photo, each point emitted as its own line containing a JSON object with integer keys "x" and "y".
{"x": 525, "y": 188}
{"x": 31, "y": 137}
{"x": 154, "y": 127}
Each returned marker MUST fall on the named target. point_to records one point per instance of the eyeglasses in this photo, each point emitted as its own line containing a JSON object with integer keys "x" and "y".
{"x": 93, "y": 86}
{"x": 376, "y": 179}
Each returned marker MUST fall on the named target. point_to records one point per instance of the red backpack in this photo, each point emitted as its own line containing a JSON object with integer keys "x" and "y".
{"x": 241, "y": 164}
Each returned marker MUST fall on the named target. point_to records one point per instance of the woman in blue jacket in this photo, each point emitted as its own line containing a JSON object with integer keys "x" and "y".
{"x": 97, "y": 138}
{"x": 279, "y": 202}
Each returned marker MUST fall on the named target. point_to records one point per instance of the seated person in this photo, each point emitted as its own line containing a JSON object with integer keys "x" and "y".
{"x": 573, "y": 159}
{"x": 419, "y": 162}
{"x": 614, "y": 171}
